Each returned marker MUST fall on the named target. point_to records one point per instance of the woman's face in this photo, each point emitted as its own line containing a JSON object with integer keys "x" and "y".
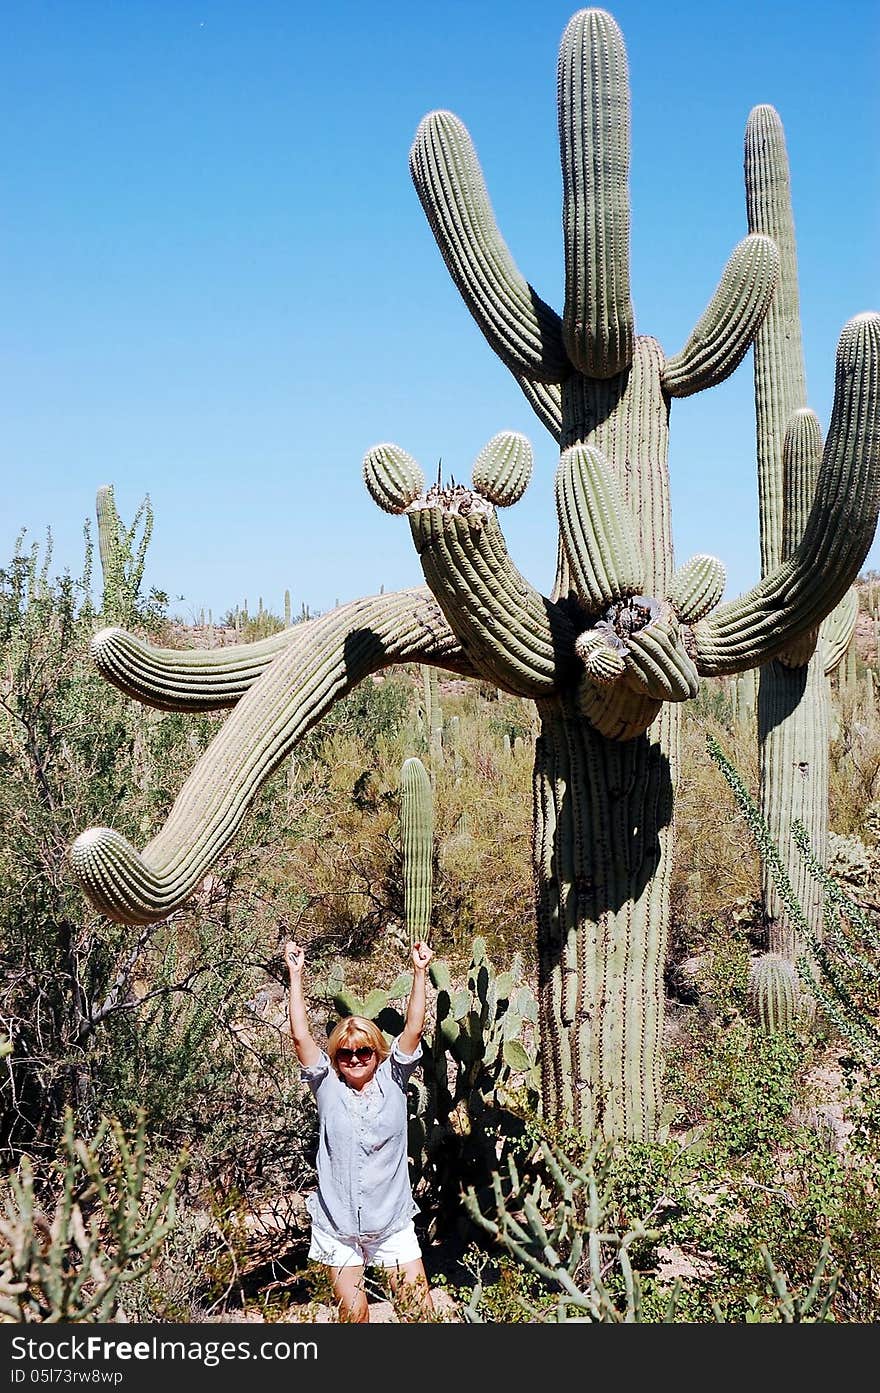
{"x": 356, "y": 1064}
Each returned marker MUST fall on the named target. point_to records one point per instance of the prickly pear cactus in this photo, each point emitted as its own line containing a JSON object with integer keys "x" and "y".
{"x": 608, "y": 656}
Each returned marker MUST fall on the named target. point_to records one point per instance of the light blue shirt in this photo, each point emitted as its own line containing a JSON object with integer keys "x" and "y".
{"x": 364, "y": 1188}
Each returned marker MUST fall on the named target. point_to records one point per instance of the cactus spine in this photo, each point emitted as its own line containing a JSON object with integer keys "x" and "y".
{"x": 417, "y": 845}
{"x": 607, "y": 755}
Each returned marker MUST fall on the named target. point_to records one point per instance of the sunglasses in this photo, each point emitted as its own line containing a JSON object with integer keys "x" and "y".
{"x": 362, "y": 1055}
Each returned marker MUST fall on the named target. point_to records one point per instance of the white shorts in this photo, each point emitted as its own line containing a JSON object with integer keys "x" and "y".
{"x": 393, "y": 1251}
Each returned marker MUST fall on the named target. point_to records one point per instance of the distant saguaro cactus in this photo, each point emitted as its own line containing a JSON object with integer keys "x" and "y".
{"x": 122, "y": 555}
{"x": 417, "y": 846}
{"x": 607, "y": 657}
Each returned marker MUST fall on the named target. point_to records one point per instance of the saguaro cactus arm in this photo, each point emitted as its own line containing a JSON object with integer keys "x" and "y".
{"x": 593, "y": 92}
{"x": 780, "y": 383}
{"x": 122, "y": 556}
{"x": 837, "y": 630}
{"x": 727, "y": 327}
{"x": 109, "y": 530}
{"x": 801, "y": 591}
{"x": 515, "y": 636}
{"x": 597, "y": 530}
{"x": 210, "y": 679}
{"x": 524, "y": 331}
{"x": 292, "y": 693}
{"x": 510, "y": 632}
{"x": 545, "y": 399}
{"x": 801, "y": 460}
{"x": 192, "y": 679}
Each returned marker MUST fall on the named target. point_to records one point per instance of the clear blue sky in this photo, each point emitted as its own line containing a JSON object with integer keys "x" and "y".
{"x": 218, "y": 285}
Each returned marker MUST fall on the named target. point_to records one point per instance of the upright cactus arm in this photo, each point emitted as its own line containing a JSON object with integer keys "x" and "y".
{"x": 594, "y": 134}
{"x": 210, "y": 679}
{"x": 801, "y": 459}
{"x": 524, "y": 331}
{"x": 780, "y": 380}
{"x": 293, "y": 692}
{"x": 728, "y": 325}
{"x": 511, "y": 633}
{"x": 597, "y": 529}
{"x": 801, "y": 591}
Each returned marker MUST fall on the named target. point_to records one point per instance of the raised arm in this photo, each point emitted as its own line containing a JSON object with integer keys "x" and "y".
{"x": 411, "y": 1035}
{"x": 307, "y": 1051}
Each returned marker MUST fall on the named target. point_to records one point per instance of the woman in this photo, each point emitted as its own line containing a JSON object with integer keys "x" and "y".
{"x": 363, "y": 1210}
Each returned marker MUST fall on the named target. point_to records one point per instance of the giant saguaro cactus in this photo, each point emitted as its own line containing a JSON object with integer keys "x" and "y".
{"x": 793, "y": 724}
{"x": 607, "y": 657}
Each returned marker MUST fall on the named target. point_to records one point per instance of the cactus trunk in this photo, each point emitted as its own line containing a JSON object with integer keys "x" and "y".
{"x": 603, "y": 832}
{"x": 793, "y": 734}
{"x": 602, "y": 855}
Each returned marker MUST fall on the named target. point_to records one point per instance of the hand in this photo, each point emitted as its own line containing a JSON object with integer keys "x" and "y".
{"x": 421, "y": 955}
{"x": 294, "y": 957}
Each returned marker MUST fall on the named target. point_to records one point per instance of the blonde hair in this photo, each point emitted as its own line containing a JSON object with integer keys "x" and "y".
{"x": 353, "y": 1031}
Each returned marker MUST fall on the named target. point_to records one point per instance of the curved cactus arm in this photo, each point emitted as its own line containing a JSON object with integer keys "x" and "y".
{"x": 524, "y": 331}
{"x": 545, "y": 399}
{"x": 597, "y": 529}
{"x": 656, "y": 662}
{"x": 593, "y": 94}
{"x": 173, "y": 679}
{"x": 799, "y": 592}
{"x": 210, "y": 679}
{"x": 728, "y": 325}
{"x": 292, "y": 693}
{"x": 837, "y": 631}
{"x": 511, "y": 633}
